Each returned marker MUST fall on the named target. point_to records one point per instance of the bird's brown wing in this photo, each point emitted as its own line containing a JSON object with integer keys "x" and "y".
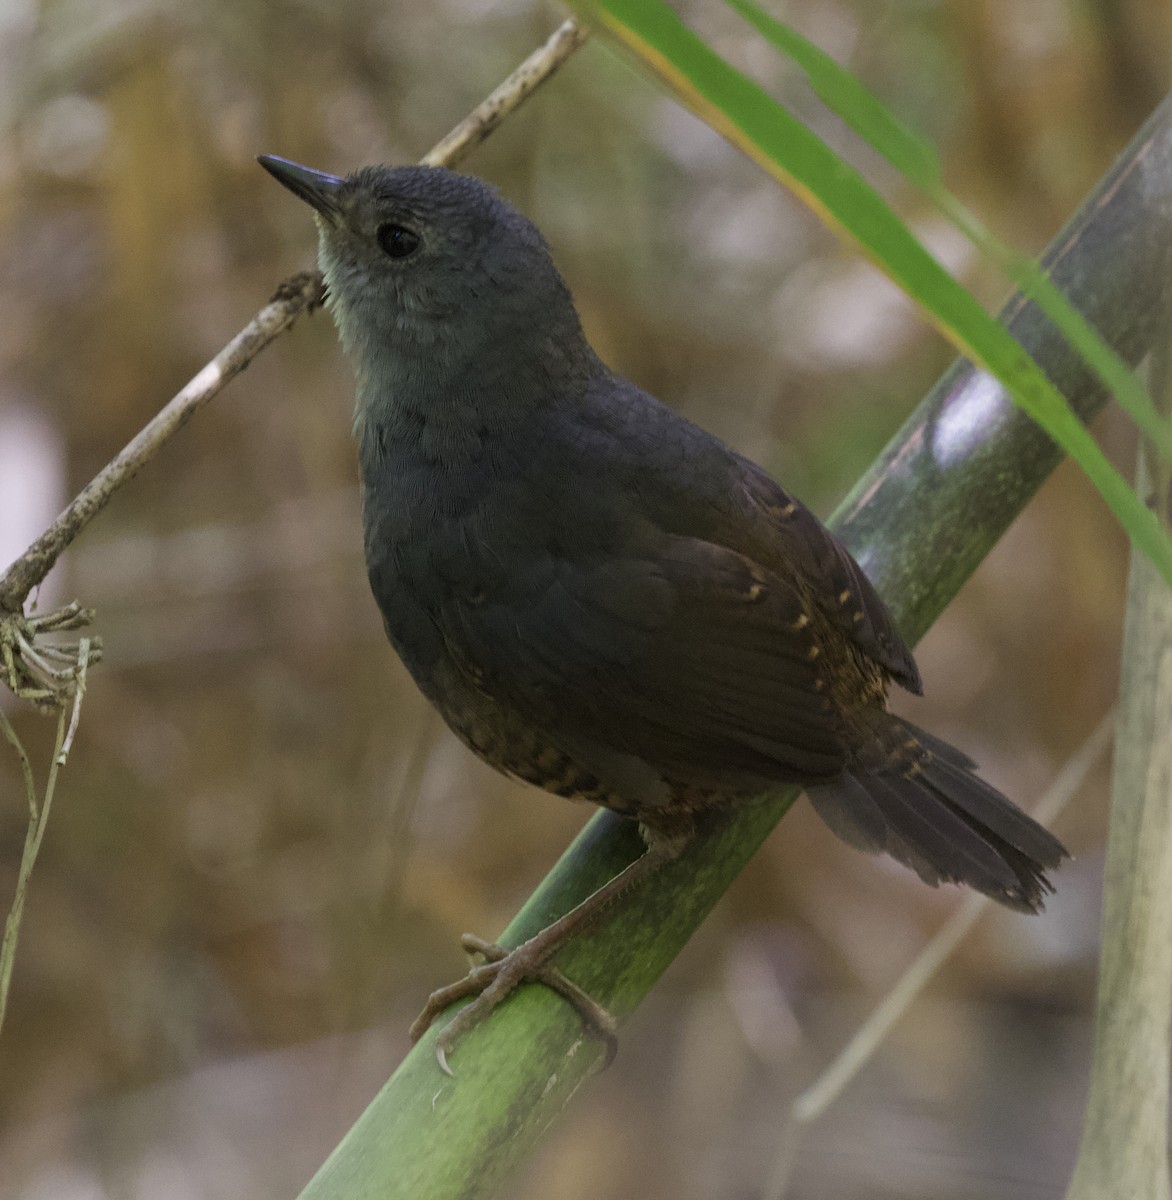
{"x": 782, "y": 534}
{"x": 707, "y": 492}
{"x": 698, "y": 661}
{"x": 653, "y": 465}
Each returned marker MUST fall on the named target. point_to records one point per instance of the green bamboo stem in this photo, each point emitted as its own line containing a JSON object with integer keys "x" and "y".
{"x": 920, "y": 521}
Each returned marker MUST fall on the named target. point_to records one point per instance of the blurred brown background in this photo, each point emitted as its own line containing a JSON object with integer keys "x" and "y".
{"x": 264, "y": 848}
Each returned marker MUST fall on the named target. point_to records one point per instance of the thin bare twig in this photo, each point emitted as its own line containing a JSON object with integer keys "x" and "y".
{"x": 826, "y": 1089}
{"x": 67, "y": 719}
{"x": 298, "y": 294}
{"x": 294, "y": 296}
{"x": 491, "y": 111}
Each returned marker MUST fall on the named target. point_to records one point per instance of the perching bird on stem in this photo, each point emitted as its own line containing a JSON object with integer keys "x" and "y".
{"x": 599, "y": 597}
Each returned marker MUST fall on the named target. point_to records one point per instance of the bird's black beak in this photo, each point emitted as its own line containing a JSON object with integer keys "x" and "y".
{"x": 314, "y": 187}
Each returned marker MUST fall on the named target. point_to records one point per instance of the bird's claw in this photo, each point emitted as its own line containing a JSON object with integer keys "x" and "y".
{"x": 495, "y": 979}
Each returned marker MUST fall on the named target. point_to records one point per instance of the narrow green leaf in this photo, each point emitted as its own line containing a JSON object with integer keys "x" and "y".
{"x": 843, "y": 93}
{"x": 745, "y": 114}
{"x": 915, "y": 158}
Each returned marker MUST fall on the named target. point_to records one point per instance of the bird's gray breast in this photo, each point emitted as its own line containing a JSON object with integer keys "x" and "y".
{"x": 445, "y": 531}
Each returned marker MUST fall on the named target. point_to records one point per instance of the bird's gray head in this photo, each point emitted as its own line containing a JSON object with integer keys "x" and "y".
{"x": 435, "y": 281}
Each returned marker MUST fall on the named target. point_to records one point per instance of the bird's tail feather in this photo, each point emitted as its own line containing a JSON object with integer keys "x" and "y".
{"x": 919, "y": 800}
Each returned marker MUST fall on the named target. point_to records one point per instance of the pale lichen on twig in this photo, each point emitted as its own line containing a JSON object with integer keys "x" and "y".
{"x": 40, "y": 671}
{"x": 67, "y": 719}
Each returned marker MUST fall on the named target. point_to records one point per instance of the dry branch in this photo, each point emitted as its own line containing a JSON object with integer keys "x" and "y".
{"x": 298, "y": 294}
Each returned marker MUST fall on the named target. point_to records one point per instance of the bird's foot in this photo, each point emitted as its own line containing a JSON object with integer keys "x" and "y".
{"x": 502, "y": 970}
{"x": 493, "y": 980}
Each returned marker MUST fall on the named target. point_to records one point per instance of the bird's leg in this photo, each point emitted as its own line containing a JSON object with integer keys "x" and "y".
{"x": 503, "y": 970}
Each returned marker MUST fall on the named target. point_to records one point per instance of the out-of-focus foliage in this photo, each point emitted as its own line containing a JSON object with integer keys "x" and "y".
{"x": 263, "y": 848}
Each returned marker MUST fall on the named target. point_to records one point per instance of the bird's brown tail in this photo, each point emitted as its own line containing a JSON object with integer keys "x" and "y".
{"x": 920, "y": 800}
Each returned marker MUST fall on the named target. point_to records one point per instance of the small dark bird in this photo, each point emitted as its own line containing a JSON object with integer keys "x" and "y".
{"x": 599, "y": 597}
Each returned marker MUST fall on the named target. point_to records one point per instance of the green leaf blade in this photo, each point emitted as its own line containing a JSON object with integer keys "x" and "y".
{"x": 744, "y": 113}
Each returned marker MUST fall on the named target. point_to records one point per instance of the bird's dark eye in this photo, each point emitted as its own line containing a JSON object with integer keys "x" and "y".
{"x": 397, "y": 240}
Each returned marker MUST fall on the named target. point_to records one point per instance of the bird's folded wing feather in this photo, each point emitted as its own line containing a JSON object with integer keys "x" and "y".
{"x": 691, "y": 485}
{"x": 696, "y": 659}
{"x": 781, "y": 529}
